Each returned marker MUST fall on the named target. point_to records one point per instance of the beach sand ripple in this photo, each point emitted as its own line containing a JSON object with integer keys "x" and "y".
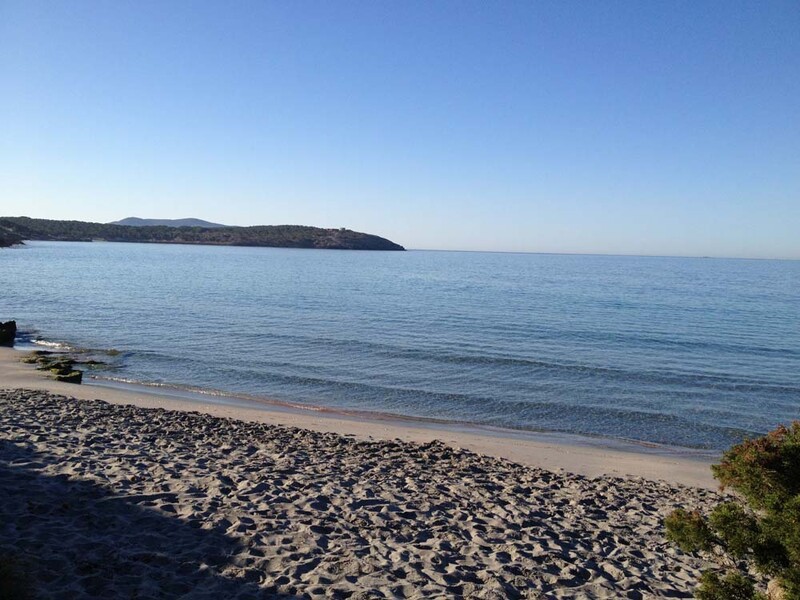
{"x": 105, "y": 501}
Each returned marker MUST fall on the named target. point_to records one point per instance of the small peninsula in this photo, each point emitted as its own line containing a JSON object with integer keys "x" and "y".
{"x": 14, "y": 230}
{"x": 8, "y": 238}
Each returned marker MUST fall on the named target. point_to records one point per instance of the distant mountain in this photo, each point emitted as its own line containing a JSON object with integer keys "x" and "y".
{"x": 275, "y": 236}
{"x": 137, "y": 222}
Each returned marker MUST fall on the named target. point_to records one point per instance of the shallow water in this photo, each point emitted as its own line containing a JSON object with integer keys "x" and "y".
{"x": 681, "y": 351}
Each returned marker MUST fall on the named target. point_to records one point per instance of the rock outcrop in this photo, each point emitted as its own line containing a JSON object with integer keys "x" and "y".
{"x": 9, "y": 238}
{"x": 8, "y": 331}
{"x": 60, "y": 366}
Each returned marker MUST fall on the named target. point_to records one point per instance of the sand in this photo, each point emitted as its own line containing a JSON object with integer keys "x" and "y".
{"x": 126, "y": 500}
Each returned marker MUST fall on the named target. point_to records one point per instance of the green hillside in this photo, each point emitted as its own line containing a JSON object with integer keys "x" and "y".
{"x": 275, "y": 236}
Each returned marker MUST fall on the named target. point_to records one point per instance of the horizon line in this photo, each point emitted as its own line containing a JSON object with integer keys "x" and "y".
{"x": 604, "y": 254}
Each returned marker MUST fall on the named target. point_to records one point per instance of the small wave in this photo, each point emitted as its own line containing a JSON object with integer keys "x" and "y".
{"x": 66, "y": 347}
{"x": 310, "y": 407}
{"x": 162, "y": 385}
{"x": 55, "y": 345}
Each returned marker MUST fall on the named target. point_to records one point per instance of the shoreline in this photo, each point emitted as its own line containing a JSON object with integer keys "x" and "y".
{"x": 246, "y": 401}
{"x": 580, "y": 455}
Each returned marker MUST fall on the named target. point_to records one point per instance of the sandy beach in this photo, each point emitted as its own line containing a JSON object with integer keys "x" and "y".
{"x": 111, "y": 493}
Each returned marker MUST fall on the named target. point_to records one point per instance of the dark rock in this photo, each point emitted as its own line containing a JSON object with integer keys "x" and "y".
{"x": 8, "y": 331}
{"x": 61, "y": 370}
{"x": 8, "y": 238}
{"x": 70, "y": 377}
{"x": 57, "y": 365}
{"x": 61, "y": 366}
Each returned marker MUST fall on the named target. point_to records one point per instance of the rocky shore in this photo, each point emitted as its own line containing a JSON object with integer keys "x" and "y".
{"x": 8, "y": 238}
{"x": 100, "y": 500}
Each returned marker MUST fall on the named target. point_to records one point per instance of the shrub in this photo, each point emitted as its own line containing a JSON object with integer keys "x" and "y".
{"x": 760, "y": 529}
{"x": 734, "y": 586}
{"x": 689, "y": 531}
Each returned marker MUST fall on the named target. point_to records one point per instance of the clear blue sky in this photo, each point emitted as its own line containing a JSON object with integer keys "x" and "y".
{"x": 609, "y": 127}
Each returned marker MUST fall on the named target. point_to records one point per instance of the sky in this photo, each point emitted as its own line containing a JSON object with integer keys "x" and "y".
{"x": 658, "y": 128}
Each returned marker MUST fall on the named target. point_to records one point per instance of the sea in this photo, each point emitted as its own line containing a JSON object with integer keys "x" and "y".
{"x": 686, "y": 353}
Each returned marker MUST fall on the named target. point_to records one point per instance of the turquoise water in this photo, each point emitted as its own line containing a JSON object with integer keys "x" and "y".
{"x": 681, "y": 351}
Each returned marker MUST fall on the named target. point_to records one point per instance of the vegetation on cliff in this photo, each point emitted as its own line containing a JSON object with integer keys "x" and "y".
{"x": 276, "y": 236}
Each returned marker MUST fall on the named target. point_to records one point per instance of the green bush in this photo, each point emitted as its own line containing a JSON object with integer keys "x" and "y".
{"x": 689, "y": 531}
{"x": 734, "y": 586}
{"x": 762, "y": 528}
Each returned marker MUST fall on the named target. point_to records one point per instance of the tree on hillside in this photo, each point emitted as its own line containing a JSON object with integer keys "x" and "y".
{"x": 760, "y": 530}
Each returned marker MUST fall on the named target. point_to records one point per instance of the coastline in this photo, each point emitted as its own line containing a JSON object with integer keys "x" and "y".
{"x": 154, "y": 496}
{"x": 582, "y": 456}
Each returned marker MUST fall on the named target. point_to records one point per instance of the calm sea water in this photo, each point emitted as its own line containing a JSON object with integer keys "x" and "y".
{"x": 688, "y": 352}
